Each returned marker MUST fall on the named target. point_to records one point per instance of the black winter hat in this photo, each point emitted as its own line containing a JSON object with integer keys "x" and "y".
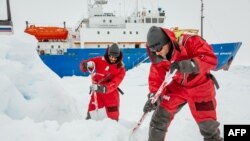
{"x": 114, "y": 50}
{"x": 156, "y": 38}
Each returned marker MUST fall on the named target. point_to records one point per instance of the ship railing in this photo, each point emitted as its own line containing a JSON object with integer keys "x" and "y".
{"x": 140, "y": 60}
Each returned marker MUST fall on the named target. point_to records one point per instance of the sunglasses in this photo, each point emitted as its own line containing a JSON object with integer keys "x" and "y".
{"x": 112, "y": 56}
{"x": 156, "y": 47}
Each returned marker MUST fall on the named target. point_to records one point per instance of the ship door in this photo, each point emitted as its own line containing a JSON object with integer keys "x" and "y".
{"x": 137, "y": 45}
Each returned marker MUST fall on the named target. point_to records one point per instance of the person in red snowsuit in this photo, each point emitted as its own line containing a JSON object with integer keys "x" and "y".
{"x": 193, "y": 58}
{"x": 108, "y": 73}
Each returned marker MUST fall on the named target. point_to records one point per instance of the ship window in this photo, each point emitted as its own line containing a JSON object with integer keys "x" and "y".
{"x": 134, "y": 21}
{"x": 38, "y": 46}
{"x": 98, "y": 32}
{"x": 148, "y": 20}
{"x": 130, "y": 32}
{"x": 52, "y": 46}
{"x": 154, "y": 20}
{"x": 107, "y": 32}
{"x": 124, "y": 45}
{"x": 142, "y": 20}
{"x": 110, "y": 21}
{"x": 108, "y": 45}
{"x": 98, "y": 46}
{"x": 103, "y": 21}
{"x": 59, "y": 46}
{"x": 59, "y": 51}
{"x": 126, "y": 21}
{"x": 42, "y": 52}
{"x": 137, "y": 32}
{"x": 161, "y": 20}
{"x": 124, "y": 32}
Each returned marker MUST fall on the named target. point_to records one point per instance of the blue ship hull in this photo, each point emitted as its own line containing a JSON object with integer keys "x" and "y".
{"x": 68, "y": 63}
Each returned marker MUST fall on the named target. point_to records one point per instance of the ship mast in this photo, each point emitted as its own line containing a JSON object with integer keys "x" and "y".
{"x": 8, "y": 10}
{"x": 202, "y": 17}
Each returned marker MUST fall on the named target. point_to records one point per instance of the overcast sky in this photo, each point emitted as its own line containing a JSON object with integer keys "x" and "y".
{"x": 225, "y": 20}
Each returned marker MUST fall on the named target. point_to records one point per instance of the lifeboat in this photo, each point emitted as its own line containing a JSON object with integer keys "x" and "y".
{"x": 47, "y": 33}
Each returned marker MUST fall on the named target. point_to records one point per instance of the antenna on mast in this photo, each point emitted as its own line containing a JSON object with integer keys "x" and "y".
{"x": 202, "y": 17}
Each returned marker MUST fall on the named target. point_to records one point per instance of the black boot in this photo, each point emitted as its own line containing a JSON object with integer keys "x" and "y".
{"x": 158, "y": 124}
{"x": 210, "y": 131}
{"x": 156, "y": 134}
{"x": 214, "y": 139}
{"x": 88, "y": 116}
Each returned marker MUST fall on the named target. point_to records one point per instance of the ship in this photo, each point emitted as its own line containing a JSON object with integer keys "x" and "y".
{"x": 63, "y": 48}
{"x": 6, "y": 25}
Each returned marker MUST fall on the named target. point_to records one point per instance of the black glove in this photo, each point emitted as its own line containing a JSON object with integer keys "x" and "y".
{"x": 98, "y": 88}
{"x": 148, "y": 107}
{"x": 88, "y": 65}
{"x": 185, "y": 66}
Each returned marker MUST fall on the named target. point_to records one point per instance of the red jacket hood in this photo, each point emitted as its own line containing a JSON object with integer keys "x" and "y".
{"x": 171, "y": 35}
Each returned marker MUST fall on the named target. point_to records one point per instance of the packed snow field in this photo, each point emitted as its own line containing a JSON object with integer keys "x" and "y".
{"x": 37, "y": 105}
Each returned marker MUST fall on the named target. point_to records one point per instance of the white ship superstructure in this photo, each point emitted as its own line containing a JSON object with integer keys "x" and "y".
{"x": 102, "y": 29}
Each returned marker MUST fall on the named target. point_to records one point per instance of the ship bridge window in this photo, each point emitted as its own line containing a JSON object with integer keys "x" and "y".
{"x": 148, "y": 20}
{"x": 108, "y": 14}
{"x": 154, "y": 20}
{"x": 162, "y": 14}
{"x": 161, "y": 20}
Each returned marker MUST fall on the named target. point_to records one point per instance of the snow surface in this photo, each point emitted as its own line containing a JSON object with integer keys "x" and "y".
{"x": 37, "y": 105}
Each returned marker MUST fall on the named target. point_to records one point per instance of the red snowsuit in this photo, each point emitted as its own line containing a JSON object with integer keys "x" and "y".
{"x": 197, "y": 90}
{"x": 110, "y": 76}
